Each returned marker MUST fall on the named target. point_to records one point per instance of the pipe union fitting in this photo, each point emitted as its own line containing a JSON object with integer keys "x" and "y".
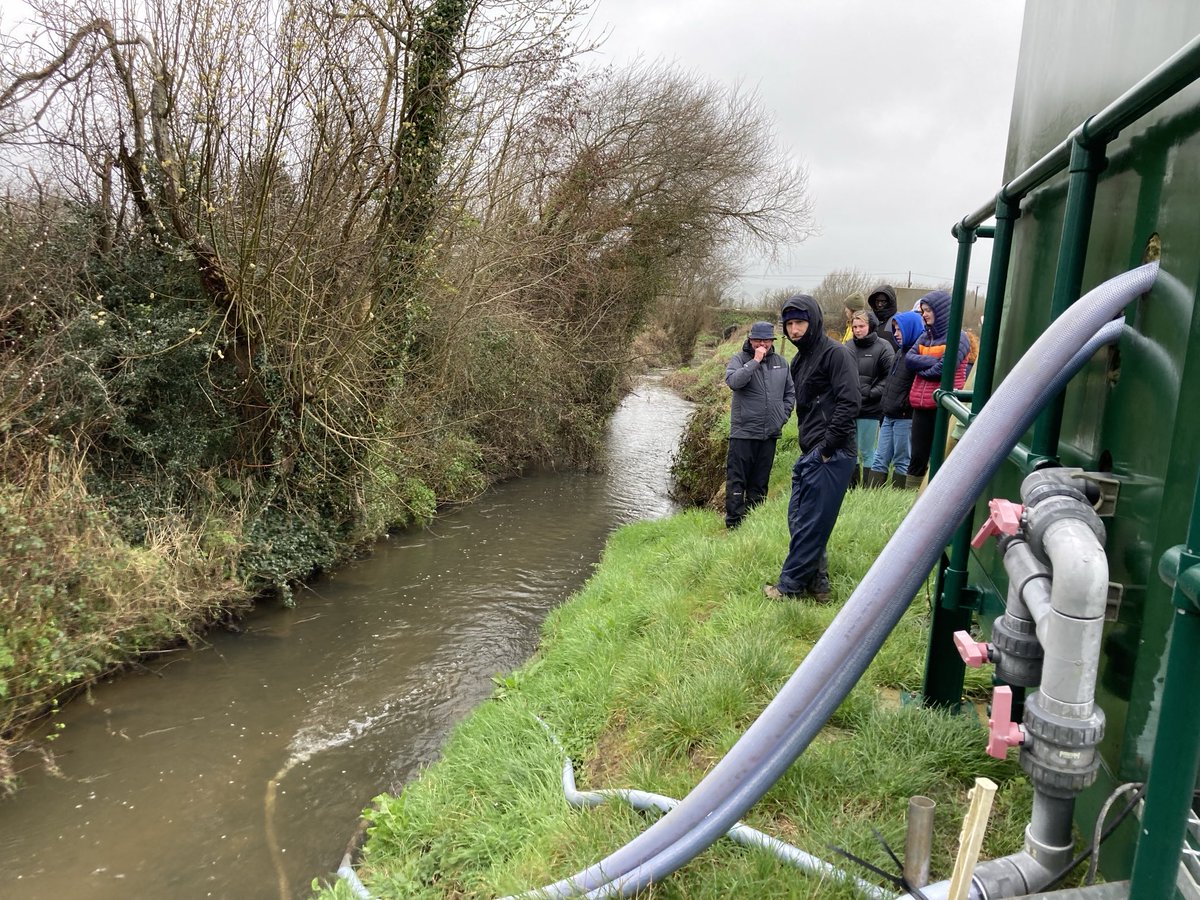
{"x": 1019, "y": 653}
{"x": 1059, "y": 754}
{"x": 1048, "y": 482}
{"x": 1054, "y": 509}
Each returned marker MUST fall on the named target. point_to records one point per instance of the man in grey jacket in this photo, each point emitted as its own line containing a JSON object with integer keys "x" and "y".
{"x": 763, "y": 398}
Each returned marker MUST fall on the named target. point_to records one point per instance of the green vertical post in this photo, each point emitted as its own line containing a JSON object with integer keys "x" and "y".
{"x": 1087, "y": 162}
{"x": 958, "y": 299}
{"x": 1176, "y": 755}
{"x": 944, "y": 668}
{"x": 1007, "y": 213}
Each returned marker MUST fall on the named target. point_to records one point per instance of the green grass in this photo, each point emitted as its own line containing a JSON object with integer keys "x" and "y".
{"x": 648, "y": 676}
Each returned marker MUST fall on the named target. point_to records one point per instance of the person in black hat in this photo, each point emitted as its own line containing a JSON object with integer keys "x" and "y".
{"x": 763, "y": 397}
{"x": 882, "y": 301}
{"x": 827, "y": 403}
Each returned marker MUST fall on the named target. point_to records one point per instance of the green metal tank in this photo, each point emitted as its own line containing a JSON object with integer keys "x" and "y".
{"x": 1134, "y": 411}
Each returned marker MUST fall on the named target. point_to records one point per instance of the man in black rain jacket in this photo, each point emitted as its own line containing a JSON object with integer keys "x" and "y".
{"x": 827, "y": 403}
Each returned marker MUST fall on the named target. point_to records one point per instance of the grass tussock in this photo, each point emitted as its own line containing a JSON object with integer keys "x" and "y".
{"x": 648, "y": 676}
{"x": 76, "y": 600}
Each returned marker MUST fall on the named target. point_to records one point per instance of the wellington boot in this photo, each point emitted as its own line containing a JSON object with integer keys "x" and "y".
{"x": 898, "y": 481}
{"x": 855, "y": 479}
{"x": 913, "y": 482}
{"x": 873, "y": 479}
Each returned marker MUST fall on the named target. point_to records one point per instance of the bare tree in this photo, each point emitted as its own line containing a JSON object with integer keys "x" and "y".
{"x": 601, "y": 198}
{"x": 833, "y": 290}
{"x": 293, "y": 154}
{"x": 348, "y": 184}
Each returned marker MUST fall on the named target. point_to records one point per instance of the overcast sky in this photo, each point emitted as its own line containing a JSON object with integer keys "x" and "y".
{"x": 898, "y": 108}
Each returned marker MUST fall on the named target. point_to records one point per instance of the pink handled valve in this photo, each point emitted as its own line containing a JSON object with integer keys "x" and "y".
{"x": 1003, "y": 732}
{"x": 974, "y": 653}
{"x": 1004, "y": 517}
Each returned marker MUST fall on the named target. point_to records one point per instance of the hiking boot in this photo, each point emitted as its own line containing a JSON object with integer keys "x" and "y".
{"x": 774, "y": 593}
{"x": 819, "y": 590}
{"x": 817, "y": 595}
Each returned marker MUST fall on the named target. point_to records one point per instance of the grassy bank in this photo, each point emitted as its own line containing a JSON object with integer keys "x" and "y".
{"x": 648, "y": 676}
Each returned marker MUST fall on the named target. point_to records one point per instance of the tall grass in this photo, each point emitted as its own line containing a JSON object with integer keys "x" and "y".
{"x": 76, "y": 600}
{"x": 649, "y": 675}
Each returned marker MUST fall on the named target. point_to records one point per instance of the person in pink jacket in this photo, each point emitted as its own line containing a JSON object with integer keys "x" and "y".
{"x": 925, "y": 360}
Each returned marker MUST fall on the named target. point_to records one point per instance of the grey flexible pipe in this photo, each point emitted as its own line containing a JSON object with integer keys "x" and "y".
{"x": 347, "y": 874}
{"x": 835, "y": 664}
{"x": 742, "y": 834}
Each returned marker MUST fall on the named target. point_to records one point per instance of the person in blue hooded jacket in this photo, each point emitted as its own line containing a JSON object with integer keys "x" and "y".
{"x": 926, "y": 359}
{"x": 894, "y": 432}
{"x": 763, "y": 398}
{"x": 827, "y": 402}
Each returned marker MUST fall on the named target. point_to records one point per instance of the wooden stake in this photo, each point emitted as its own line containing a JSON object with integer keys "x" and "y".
{"x": 971, "y": 837}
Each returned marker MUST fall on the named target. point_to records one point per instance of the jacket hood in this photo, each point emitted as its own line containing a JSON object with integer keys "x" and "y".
{"x": 816, "y": 322}
{"x": 939, "y": 302}
{"x": 911, "y": 327}
{"x": 882, "y": 301}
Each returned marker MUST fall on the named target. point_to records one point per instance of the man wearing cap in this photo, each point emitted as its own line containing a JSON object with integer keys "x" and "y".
{"x": 827, "y": 402}
{"x": 763, "y": 397}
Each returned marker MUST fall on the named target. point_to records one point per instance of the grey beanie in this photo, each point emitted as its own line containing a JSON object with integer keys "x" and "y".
{"x": 762, "y": 331}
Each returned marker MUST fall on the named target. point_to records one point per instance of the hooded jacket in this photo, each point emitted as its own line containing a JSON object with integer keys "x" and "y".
{"x": 895, "y": 403}
{"x": 925, "y": 357}
{"x": 873, "y": 356}
{"x": 763, "y": 394}
{"x": 882, "y": 302}
{"x": 826, "y": 379}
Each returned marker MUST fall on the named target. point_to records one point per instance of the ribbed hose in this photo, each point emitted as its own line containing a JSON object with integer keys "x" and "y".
{"x": 825, "y": 677}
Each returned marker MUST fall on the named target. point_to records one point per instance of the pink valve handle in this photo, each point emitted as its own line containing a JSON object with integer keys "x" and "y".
{"x": 1004, "y": 517}
{"x": 974, "y": 653}
{"x": 1003, "y": 732}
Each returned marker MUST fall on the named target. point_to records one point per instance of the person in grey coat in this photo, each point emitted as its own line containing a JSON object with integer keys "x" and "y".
{"x": 763, "y": 398}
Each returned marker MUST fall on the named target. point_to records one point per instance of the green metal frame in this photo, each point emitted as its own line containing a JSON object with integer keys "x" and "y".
{"x": 1176, "y": 748}
{"x": 1176, "y": 755}
{"x": 1083, "y": 153}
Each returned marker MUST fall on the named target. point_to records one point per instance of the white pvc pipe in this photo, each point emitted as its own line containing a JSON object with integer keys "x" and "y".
{"x": 1078, "y": 595}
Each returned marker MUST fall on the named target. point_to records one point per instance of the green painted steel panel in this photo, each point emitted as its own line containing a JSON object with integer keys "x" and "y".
{"x": 1134, "y": 410}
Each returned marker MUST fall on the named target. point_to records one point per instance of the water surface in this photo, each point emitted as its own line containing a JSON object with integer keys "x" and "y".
{"x": 238, "y": 770}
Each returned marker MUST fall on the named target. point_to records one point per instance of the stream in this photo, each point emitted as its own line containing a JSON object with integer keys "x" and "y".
{"x": 238, "y": 769}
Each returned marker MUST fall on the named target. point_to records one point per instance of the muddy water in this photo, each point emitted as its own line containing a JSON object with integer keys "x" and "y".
{"x": 238, "y": 770}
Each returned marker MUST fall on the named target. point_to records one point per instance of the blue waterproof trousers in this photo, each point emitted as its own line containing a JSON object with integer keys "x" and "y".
{"x": 818, "y": 489}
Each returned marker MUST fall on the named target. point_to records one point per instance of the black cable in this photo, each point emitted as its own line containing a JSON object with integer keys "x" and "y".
{"x": 897, "y": 881}
{"x": 1109, "y": 829}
